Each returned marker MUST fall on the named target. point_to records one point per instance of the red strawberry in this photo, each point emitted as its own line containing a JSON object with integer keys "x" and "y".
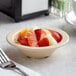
{"x": 43, "y": 42}
{"x": 40, "y": 33}
{"x": 22, "y": 40}
{"x": 57, "y": 36}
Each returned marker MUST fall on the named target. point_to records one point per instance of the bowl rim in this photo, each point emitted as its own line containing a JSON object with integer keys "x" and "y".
{"x": 65, "y": 39}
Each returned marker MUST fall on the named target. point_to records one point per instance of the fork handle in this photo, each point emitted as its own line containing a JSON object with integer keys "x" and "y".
{"x": 22, "y": 72}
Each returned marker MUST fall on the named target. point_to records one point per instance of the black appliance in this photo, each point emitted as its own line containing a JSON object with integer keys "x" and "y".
{"x": 24, "y": 9}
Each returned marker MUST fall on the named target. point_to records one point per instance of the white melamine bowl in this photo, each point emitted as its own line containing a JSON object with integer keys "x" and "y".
{"x": 38, "y": 52}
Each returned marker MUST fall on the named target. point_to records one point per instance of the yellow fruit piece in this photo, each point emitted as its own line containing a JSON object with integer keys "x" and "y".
{"x": 25, "y": 31}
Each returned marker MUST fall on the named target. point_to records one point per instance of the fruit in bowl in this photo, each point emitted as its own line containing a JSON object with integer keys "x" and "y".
{"x": 38, "y": 37}
{"x": 38, "y": 42}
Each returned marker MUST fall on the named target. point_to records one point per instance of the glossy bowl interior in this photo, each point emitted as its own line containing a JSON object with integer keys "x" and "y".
{"x": 38, "y": 52}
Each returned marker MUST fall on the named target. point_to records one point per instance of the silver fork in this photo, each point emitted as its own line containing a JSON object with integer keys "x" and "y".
{"x": 6, "y": 63}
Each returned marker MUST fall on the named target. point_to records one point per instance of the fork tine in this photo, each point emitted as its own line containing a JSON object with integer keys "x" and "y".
{"x": 2, "y": 59}
{"x": 3, "y": 56}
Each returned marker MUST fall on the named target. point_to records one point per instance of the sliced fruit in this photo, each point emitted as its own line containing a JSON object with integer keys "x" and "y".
{"x": 28, "y": 38}
{"x": 38, "y": 37}
{"x": 40, "y": 33}
{"x": 22, "y": 40}
{"x": 25, "y": 31}
{"x": 32, "y": 38}
{"x": 52, "y": 41}
{"x": 43, "y": 42}
{"x": 57, "y": 36}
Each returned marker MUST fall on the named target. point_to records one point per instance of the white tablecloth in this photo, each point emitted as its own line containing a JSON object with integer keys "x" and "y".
{"x": 61, "y": 63}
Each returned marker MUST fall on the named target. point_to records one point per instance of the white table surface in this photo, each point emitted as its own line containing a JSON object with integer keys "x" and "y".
{"x": 61, "y": 63}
